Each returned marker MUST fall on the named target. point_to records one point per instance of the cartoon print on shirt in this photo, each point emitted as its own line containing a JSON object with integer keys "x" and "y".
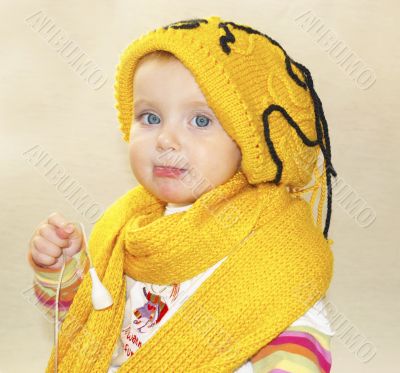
{"x": 147, "y": 316}
{"x": 152, "y": 312}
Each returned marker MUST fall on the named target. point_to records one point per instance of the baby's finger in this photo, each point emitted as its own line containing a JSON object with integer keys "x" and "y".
{"x": 42, "y": 259}
{"x": 74, "y": 247}
{"x": 59, "y": 262}
{"x": 71, "y": 230}
{"x": 62, "y": 233}
{"x": 59, "y": 221}
{"x": 49, "y": 232}
{"x": 46, "y": 247}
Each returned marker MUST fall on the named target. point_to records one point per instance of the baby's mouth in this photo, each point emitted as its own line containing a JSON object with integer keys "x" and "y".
{"x": 168, "y": 171}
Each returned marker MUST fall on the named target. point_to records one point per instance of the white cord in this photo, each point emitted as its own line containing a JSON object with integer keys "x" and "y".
{"x": 85, "y": 243}
{"x": 101, "y": 297}
{"x": 56, "y": 315}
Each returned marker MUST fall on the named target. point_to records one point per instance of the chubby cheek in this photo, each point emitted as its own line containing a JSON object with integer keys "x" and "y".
{"x": 232, "y": 157}
{"x": 132, "y": 156}
{"x": 218, "y": 161}
{"x": 139, "y": 161}
{"x": 200, "y": 161}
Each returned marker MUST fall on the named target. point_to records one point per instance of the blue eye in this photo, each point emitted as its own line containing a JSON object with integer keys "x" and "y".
{"x": 202, "y": 121}
{"x": 152, "y": 118}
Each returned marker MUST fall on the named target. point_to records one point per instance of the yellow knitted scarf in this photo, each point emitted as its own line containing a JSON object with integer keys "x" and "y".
{"x": 279, "y": 264}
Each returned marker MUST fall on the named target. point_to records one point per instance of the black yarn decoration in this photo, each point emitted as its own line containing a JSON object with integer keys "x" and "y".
{"x": 320, "y": 121}
{"x": 186, "y": 24}
{"x": 321, "y": 125}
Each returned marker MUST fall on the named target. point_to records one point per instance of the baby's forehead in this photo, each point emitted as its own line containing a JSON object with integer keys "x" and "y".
{"x": 151, "y": 63}
{"x": 169, "y": 82}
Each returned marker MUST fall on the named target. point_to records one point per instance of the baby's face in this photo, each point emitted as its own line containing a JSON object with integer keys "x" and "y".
{"x": 174, "y": 126}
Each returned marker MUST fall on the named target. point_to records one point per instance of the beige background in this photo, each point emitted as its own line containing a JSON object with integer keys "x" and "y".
{"x": 46, "y": 105}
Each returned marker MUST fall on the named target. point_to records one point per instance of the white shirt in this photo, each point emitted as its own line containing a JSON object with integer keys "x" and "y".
{"x": 145, "y": 313}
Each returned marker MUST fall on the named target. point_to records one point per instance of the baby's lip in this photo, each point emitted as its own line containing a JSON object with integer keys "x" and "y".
{"x": 169, "y": 171}
{"x": 168, "y": 166}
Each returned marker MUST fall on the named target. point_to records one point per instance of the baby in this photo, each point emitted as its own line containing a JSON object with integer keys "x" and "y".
{"x": 213, "y": 203}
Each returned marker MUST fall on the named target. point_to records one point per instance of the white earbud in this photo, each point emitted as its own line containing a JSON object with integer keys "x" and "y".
{"x": 101, "y": 297}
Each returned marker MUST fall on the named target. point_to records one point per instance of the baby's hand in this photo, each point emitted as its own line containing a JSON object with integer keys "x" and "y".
{"x": 53, "y": 235}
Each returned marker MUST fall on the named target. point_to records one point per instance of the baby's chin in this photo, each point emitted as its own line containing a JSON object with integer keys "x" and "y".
{"x": 172, "y": 190}
{"x": 175, "y": 199}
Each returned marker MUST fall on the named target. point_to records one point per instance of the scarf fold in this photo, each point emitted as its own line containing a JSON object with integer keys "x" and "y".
{"x": 278, "y": 265}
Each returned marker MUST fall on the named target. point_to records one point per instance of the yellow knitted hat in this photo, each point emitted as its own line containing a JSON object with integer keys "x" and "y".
{"x": 264, "y": 99}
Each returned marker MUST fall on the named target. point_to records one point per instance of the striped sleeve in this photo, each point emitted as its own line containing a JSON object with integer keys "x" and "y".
{"x": 304, "y": 347}
{"x": 45, "y": 283}
{"x": 299, "y": 349}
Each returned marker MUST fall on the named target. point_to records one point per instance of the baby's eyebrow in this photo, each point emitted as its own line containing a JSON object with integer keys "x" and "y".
{"x": 142, "y": 101}
{"x": 186, "y": 104}
{"x": 196, "y": 103}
